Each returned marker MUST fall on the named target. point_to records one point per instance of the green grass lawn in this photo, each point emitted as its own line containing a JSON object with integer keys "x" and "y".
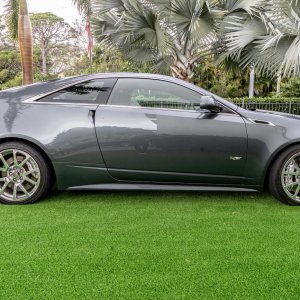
{"x": 150, "y": 246}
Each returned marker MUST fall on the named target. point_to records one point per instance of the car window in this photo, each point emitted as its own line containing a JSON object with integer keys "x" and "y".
{"x": 92, "y": 91}
{"x": 153, "y": 93}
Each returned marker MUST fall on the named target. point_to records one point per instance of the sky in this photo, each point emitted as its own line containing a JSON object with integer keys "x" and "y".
{"x": 61, "y": 8}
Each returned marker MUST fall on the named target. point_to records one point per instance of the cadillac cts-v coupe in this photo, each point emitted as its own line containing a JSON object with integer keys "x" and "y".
{"x": 140, "y": 132}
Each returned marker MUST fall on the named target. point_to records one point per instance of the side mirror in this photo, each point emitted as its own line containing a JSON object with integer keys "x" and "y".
{"x": 209, "y": 103}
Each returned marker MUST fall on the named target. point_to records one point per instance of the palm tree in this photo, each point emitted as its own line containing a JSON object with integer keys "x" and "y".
{"x": 174, "y": 34}
{"x": 84, "y": 6}
{"x": 20, "y": 27}
{"x": 282, "y": 46}
{"x": 260, "y": 35}
{"x": 240, "y": 27}
{"x": 270, "y": 42}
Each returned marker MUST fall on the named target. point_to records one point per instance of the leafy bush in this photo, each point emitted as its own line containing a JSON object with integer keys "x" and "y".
{"x": 16, "y": 81}
{"x": 291, "y": 88}
{"x": 43, "y": 77}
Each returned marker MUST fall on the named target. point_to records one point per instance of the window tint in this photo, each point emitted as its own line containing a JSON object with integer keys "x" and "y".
{"x": 92, "y": 91}
{"x": 153, "y": 93}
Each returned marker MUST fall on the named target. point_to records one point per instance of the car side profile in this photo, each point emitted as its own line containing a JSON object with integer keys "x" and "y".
{"x": 127, "y": 131}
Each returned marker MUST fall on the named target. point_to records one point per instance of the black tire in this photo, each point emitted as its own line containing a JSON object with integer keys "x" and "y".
{"x": 275, "y": 179}
{"x": 45, "y": 179}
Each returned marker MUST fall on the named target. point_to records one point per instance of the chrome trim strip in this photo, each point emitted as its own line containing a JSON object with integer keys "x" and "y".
{"x": 167, "y": 109}
{"x": 64, "y": 103}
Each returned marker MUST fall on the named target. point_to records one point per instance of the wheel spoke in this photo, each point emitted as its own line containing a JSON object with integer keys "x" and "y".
{"x": 15, "y": 158}
{"x": 31, "y": 171}
{"x": 22, "y": 188}
{"x": 30, "y": 180}
{"x": 297, "y": 191}
{"x": 296, "y": 165}
{"x": 6, "y": 166}
{"x": 25, "y": 160}
{"x": 291, "y": 184}
{"x": 291, "y": 173}
{"x": 3, "y": 188}
{"x": 15, "y": 192}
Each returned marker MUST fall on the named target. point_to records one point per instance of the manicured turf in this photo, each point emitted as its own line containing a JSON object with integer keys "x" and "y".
{"x": 150, "y": 246}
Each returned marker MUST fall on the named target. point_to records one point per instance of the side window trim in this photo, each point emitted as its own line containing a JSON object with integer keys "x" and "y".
{"x": 151, "y": 108}
{"x": 228, "y": 110}
{"x": 153, "y": 79}
{"x": 36, "y": 99}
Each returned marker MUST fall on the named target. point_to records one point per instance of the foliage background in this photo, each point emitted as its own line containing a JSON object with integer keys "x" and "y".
{"x": 68, "y": 57}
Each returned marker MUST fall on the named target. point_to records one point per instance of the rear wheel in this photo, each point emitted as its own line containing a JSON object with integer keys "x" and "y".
{"x": 25, "y": 176}
{"x": 284, "y": 180}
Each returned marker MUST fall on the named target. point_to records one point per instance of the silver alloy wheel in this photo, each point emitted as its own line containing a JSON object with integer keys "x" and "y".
{"x": 290, "y": 177}
{"x": 20, "y": 175}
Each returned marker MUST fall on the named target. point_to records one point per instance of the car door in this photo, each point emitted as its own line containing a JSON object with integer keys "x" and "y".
{"x": 153, "y": 130}
{"x": 73, "y": 140}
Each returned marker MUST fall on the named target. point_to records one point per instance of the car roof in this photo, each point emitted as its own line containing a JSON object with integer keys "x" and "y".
{"x": 132, "y": 75}
{"x": 25, "y": 92}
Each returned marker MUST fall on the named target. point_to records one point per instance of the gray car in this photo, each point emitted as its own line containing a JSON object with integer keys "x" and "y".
{"x": 125, "y": 131}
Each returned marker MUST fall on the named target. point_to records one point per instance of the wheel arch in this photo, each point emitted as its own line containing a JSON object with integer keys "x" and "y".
{"x": 273, "y": 159}
{"x": 34, "y": 144}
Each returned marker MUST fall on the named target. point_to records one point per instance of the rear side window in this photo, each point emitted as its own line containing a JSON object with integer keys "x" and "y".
{"x": 94, "y": 91}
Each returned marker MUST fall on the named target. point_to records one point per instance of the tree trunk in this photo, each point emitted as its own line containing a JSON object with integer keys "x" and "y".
{"x": 251, "y": 83}
{"x": 182, "y": 69}
{"x": 278, "y": 84}
{"x": 182, "y": 73}
{"x": 25, "y": 43}
{"x": 44, "y": 61}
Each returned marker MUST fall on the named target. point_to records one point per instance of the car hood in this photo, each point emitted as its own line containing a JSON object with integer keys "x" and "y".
{"x": 277, "y": 118}
{"x": 277, "y": 113}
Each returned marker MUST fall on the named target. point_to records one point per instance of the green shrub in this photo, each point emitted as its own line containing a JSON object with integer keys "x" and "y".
{"x": 265, "y": 100}
{"x": 291, "y": 88}
{"x": 16, "y": 81}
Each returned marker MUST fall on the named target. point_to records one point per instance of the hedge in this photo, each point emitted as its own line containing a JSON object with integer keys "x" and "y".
{"x": 287, "y": 105}
{"x": 265, "y": 100}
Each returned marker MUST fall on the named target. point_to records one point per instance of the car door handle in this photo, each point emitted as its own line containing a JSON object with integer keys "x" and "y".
{"x": 91, "y": 115}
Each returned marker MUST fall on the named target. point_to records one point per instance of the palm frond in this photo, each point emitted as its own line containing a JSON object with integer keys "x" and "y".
{"x": 83, "y": 6}
{"x": 251, "y": 7}
{"x": 241, "y": 32}
{"x": 279, "y": 53}
{"x": 11, "y": 13}
{"x": 291, "y": 62}
{"x": 104, "y": 6}
{"x": 105, "y": 30}
{"x": 192, "y": 22}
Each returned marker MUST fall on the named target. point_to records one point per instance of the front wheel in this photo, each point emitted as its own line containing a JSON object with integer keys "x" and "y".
{"x": 284, "y": 180}
{"x": 24, "y": 175}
